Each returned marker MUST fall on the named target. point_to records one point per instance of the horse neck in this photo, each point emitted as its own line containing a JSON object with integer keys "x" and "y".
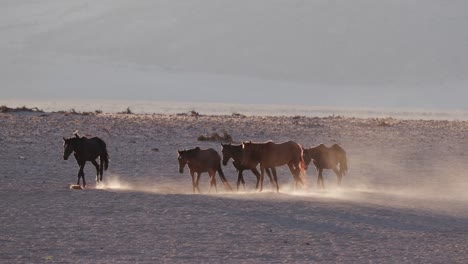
{"x": 256, "y": 152}
{"x": 77, "y": 145}
{"x": 313, "y": 152}
{"x": 236, "y": 153}
{"x": 191, "y": 156}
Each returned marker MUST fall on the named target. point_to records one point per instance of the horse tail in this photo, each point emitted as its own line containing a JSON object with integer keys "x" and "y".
{"x": 104, "y": 156}
{"x": 343, "y": 164}
{"x": 223, "y": 178}
{"x": 342, "y": 159}
{"x": 302, "y": 168}
{"x": 105, "y": 159}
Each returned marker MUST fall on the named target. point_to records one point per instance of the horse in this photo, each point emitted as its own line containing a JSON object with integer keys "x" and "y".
{"x": 327, "y": 158}
{"x": 235, "y": 153}
{"x": 271, "y": 155}
{"x": 200, "y": 161}
{"x": 84, "y": 150}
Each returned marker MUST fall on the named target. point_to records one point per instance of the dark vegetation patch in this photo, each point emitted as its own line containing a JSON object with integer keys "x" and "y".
{"x": 216, "y": 137}
{"x": 74, "y": 112}
{"x": 6, "y": 109}
{"x": 127, "y": 111}
{"x": 191, "y": 113}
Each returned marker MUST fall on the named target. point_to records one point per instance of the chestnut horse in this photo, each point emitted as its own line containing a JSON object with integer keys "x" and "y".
{"x": 327, "y": 158}
{"x": 235, "y": 153}
{"x": 200, "y": 161}
{"x": 271, "y": 155}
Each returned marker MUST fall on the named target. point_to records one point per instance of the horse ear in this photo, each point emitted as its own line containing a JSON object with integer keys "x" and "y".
{"x": 64, "y": 139}
{"x": 179, "y": 152}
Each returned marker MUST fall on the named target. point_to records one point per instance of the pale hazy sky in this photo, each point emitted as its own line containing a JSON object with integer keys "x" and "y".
{"x": 389, "y": 53}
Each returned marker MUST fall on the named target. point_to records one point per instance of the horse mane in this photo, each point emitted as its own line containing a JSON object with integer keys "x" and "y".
{"x": 231, "y": 145}
{"x": 72, "y": 139}
{"x": 190, "y": 152}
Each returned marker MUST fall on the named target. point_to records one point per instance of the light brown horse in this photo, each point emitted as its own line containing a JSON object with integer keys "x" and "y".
{"x": 271, "y": 155}
{"x": 200, "y": 161}
{"x": 235, "y": 152}
{"x": 327, "y": 158}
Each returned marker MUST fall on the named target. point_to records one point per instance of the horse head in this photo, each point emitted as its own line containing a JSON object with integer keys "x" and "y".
{"x": 227, "y": 153}
{"x": 307, "y": 155}
{"x": 185, "y": 156}
{"x": 69, "y": 146}
{"x": 182, "y": 160}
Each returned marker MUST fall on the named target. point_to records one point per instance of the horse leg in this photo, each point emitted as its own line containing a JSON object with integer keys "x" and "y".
{"x": 338, "y": 175}
{"x": 243, "y": 181}
{"x": 101, "y": 168}
{"x": 212, "y": 181}
{"x": 257, "y": 174}
{"x": 262, "y": 173}
{"x": 275, "y": 178}
{"x": 194, "y": 179}
{"x": 197, "y": 181}
{"x": 321, "y": 178}
{"x": 294, "y": 174}
{"x": 96, "y": 165}
{"x": 81, "y": 174}
{"x": 239, "y": 178}
{"x": 268, "y": 172}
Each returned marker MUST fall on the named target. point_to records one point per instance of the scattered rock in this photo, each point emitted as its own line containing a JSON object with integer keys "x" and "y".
{"x": 383, "y": 123}
{"x": 238, "y": 115}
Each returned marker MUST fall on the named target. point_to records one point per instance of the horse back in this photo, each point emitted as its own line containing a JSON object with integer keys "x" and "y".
{"x": 338, "y": 149}
{"x": 94, "y": 146}
{"x": 205, "y": 160}
{"x": 281, "y": 153}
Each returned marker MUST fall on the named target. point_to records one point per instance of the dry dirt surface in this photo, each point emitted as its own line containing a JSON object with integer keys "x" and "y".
{"x": 404, "y": 199}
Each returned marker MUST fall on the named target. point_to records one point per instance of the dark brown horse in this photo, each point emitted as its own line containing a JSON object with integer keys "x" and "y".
{"x": 327, "y": 158}
{"x": 235, "y": 152}
{"x": 200, "y": 161}
{"x": 85, "y": 149}
{"x": 271, "y": 155}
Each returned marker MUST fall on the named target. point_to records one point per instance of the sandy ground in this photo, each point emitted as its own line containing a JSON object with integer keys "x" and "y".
{"x": 403, "y": 201}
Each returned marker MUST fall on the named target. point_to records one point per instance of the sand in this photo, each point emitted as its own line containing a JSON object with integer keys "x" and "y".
{"x": 403, "y": 201}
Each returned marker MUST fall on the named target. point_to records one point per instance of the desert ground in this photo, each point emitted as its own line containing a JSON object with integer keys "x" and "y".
{"x": 404, "y": 199}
